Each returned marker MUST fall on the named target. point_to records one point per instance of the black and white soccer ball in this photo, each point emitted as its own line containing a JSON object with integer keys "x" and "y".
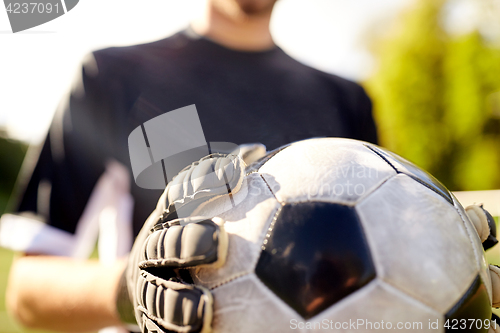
{"x": 338, "y": 234}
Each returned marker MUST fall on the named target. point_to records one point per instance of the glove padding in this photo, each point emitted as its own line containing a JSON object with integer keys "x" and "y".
{"x": 214, "y": 176}
{"x": 484, "y": 224}
{"x": 185, "y": 243}
{"x": 172, "y": 239}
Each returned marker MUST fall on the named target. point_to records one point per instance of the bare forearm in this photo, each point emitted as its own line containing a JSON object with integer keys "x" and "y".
{"x": 63, "y": 294}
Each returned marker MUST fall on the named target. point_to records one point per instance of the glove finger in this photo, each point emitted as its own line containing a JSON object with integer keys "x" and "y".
{"x": 495, "y": 285}
{"x": 186, "y": 243}
{"x": 484, "y": 225}
{"x": 170, "y": 306}
{"x": 250, "y": 152}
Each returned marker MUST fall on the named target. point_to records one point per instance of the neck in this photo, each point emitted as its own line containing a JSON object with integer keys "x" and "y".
{"x": 235, "y": 29}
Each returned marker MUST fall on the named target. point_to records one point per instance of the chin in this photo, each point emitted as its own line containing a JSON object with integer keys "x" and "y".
{"x": 255, "y": 7}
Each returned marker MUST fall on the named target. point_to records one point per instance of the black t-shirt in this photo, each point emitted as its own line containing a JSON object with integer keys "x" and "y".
{"x": 241, "y": 97}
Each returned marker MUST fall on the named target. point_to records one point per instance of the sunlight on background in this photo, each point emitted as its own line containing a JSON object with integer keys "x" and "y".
{"x": 37, "y": 65}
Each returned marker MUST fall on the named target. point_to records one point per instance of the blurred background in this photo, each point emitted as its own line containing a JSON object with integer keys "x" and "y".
{"x": 432, "y": 68}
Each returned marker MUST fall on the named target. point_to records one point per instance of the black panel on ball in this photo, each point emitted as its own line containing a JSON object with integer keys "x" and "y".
{"x": 406, "y": 167}
{"x": 473, "y": 308}
{"x": 315, "y": 255}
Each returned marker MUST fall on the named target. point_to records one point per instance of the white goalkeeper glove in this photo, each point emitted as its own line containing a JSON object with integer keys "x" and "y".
{"x": 154, "y": 291}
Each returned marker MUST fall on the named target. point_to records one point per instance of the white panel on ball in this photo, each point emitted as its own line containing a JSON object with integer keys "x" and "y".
{"x": 439, "y": 265}
{"x": 379, "y": 307}
{"x": 335, "y": 170}
{"x": 246, "y": 305}
{"x": 246, "y": 225}
{"x": 484, "y": 268}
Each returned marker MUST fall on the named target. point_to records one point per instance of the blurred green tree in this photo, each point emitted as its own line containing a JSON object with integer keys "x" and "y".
{"x": 437, "y": 98}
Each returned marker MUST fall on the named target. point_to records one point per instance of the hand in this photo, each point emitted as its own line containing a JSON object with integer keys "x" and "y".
{"x": 154, "y": 288}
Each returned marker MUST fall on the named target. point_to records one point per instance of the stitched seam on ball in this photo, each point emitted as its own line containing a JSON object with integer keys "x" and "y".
{"x": 418, "y": 180}
{"x": 469, "y": 236}
{"x": 404, "y": 291}
{"x": 394, "y": 290}
{"x": 239, "y": 275}
{"x": 415, "y": 178}
{"x": 370, "y": 244}
{"x": 270, "y": 229}
{"x": 366, "y": 196}
{"x": 279, "y": 150}
{"x": 269, "y": 187}
{"x": 382, "y": 157}
{"x": 232, "y": 278}
{"x": 478, "y": 255}
{"x": 276, "y": 297}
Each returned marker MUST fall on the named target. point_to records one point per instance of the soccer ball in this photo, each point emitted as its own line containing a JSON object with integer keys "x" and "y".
{"x": 338, "y": 234}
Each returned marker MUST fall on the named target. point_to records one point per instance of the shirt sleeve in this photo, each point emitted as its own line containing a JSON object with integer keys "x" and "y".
{"x": 57, "y": 180}
{"x": 365, "y": 128}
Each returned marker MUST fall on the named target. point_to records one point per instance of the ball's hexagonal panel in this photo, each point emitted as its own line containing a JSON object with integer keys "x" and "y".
{"x": 335, "y": 170}
{"x": 379, "y": 307}
{"x": 484, "y": 269}
{"x": 418, "y": 242}
{"x": 246, "y": 226}
{"x": 472, "y": 311}
{"x": 315, "y": 254}
{"x": 410, "y": 169}
{"x": 245, "y": 305}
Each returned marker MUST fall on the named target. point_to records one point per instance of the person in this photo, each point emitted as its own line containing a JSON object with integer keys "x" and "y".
{"x": 245, "y": 88}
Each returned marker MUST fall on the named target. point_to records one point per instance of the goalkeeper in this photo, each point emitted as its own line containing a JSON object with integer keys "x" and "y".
{"x": 246, "y": 89}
